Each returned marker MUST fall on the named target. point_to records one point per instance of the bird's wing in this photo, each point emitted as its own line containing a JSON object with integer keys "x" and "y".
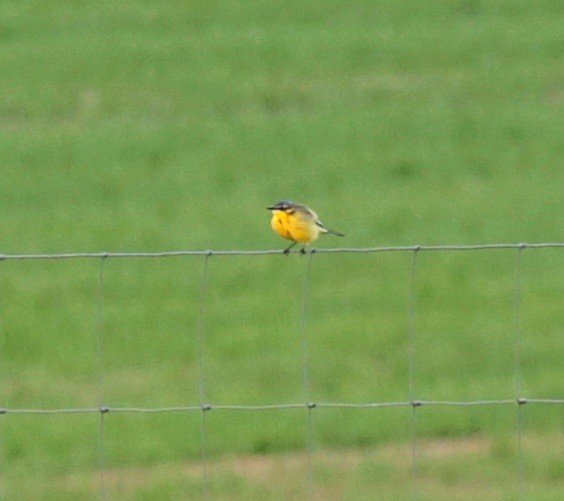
{"x": 306, "y": 213}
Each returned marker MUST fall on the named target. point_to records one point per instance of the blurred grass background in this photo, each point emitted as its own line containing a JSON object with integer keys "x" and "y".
{"x": 165, "y": 125}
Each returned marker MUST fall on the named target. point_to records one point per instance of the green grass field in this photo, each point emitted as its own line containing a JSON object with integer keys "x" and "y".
{"x": 153, "y": 126}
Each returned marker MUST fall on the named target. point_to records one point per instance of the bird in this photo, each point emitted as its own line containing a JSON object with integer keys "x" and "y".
{"x": 297, "y": 223}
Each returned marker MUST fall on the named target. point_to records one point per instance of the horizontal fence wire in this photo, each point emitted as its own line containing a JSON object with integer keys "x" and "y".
{"x": 336, "y": 250}
{"x": 289, "y": 406}
{"x": 309, "y": 405}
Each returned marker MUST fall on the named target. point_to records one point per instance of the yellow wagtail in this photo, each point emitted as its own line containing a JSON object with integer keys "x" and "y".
{"x": 297, "y": 223}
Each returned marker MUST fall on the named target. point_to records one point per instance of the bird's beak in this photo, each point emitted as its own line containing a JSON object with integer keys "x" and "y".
{"x": 274, "y": 207}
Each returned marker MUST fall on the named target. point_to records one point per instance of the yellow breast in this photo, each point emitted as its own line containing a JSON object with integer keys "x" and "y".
{"x": 292, "y": 227}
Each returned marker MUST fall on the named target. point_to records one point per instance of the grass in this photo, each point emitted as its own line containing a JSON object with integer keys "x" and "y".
{"x": 447, "y": 469}
{"x": 163, "y": 126}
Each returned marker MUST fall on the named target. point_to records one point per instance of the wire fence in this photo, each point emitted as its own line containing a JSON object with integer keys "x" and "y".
{"x": 308, "y": 403}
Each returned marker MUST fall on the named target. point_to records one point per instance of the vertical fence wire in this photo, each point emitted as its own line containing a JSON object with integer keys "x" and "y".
{"x": 202, "y": 387}
{"x": 101, "y": 407}
{"x": 306, "y": 378}
{"x": 517, "y": 312}
{"x": 411, "y": 375}
{"x": 2, "y": 345}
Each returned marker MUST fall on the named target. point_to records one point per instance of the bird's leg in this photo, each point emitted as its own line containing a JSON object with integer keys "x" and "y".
{"x": 287, "y": 250}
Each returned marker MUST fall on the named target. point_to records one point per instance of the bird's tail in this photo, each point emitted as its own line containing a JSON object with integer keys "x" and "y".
{"x": 324, "y": 229}
{"x": 333, "y": 232}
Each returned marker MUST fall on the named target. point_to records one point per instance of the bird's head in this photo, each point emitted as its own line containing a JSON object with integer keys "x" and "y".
{"x": 284, "y": 206}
